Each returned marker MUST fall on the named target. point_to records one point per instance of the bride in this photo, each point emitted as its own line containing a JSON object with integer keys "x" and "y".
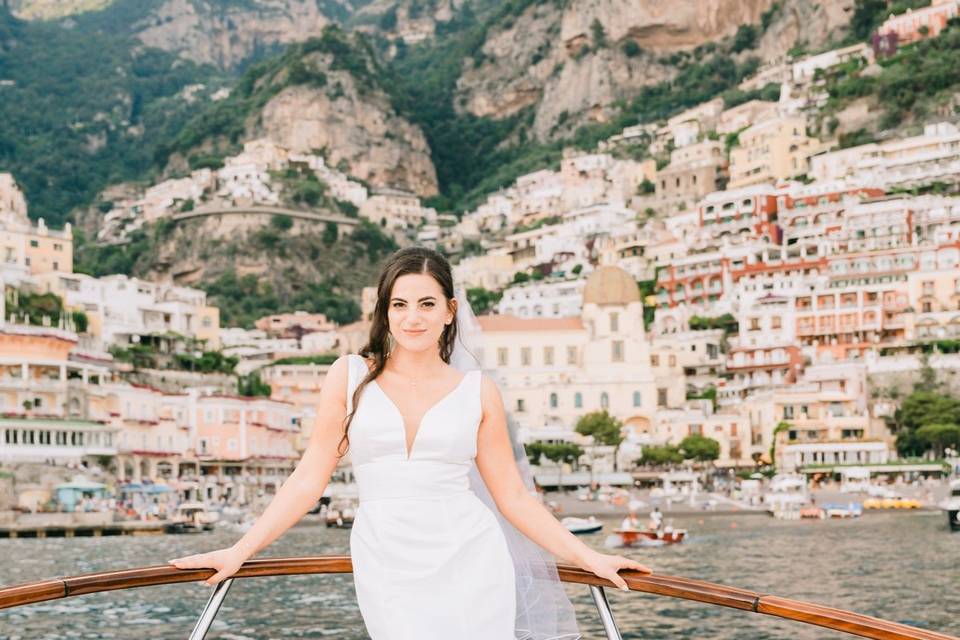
{"x": 434, "y": 555}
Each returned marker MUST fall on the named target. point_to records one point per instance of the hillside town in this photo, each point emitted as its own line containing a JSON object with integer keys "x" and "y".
{"x": 731, "y": 273}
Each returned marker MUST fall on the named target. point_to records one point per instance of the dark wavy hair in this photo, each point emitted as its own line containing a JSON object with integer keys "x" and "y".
{"x": 412, "y": 260}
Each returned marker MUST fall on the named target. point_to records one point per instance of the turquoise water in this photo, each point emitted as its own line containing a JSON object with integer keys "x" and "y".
{"x": 901, "y": 567}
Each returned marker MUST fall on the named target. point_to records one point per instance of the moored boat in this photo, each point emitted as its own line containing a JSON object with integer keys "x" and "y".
{"x": 849, "y": 510}
{"x": 581, "y": 525}
{"x": 191, "y": 517}
{"x": 637, "y": 537}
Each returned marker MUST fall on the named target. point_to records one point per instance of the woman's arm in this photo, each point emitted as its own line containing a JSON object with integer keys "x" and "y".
{"x": 498, "y": 468}
{"x": 301, "y": 490}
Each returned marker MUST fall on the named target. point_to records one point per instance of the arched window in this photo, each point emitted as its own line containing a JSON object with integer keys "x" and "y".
{"x": 553, "y": 400}
{"x": 604, "y": 400}
{"x": 636, "y": 399}
{"x": 578, "y": 400}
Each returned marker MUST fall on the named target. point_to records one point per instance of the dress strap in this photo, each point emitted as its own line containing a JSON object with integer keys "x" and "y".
{"x": 355, "y": 374}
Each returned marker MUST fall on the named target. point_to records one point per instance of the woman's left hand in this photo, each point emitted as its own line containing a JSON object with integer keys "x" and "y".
{"x": 606, "y": 566}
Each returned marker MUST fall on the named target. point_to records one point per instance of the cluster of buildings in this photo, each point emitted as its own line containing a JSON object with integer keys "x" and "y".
{"x": 255, "y": 181}
{"x": 746, "y": 288}
{"x": 778, "y": 277}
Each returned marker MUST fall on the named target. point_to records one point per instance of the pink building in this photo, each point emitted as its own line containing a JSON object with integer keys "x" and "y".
{"x": 917, "y": 24}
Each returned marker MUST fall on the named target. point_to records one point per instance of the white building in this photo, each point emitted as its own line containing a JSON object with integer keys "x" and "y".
{"x": 554, "y": 370}
{"x": 543, "y": 299}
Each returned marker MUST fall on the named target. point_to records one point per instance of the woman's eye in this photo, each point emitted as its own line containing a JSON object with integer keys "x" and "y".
{"x": 428, "y": 304}
{"x": 397, "y": 305}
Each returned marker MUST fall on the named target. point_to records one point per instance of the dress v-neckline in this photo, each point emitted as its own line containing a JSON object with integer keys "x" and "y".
{"x": 423, "y": 417}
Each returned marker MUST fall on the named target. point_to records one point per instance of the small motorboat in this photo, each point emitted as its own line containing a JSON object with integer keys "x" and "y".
{"x": 191, "y": 517}
{"x": 812, "y": 513}
{"x": 642, "y": 537}
{"x": 850, "y": 510}
{"x": 581, "y": 525}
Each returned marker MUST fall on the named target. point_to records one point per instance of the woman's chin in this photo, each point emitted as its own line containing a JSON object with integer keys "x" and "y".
{"x": 416, "y": 345}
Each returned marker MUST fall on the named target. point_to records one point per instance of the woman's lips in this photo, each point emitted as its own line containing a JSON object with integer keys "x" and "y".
{"x": 413, "y": 332}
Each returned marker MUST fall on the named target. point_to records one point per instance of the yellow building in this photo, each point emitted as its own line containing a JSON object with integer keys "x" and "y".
{"x": 771, "y": 150}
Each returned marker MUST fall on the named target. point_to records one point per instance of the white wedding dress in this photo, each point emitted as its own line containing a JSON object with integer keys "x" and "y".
{"x": 430, "y": 560}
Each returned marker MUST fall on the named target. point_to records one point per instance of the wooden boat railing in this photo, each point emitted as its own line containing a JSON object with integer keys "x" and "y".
{"x": 671, "y": 586}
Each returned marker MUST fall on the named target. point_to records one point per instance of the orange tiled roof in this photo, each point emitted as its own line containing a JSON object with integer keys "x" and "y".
{"x": 513, "y": 323}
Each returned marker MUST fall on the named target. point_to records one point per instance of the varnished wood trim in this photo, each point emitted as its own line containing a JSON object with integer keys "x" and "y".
{"x": 671, "y": 586}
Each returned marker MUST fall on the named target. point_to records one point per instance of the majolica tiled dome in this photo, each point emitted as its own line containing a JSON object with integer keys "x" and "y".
{"x": 610, "y": 285}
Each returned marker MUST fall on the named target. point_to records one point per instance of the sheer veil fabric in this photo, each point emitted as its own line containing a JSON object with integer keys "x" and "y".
{"x": 544, "y": 611}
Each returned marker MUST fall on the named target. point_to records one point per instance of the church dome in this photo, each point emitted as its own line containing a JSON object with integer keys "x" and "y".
{"x": 610, "y": 285}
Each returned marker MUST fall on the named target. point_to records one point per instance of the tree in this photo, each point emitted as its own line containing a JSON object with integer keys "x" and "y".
{"x": 330, "y": 234}
{"x": 631, "y": 49}
{"x": 563, "y": 452}
{"x": 700, "y": 448}
{"x": 482, "y": 300}
{"x": 928, "y": 376}
{"x": 251, "y": 385}
{"x": 604, "y": 428}
{"x": 782, "y": 426}
{"x": 658, "y": 456}
{"x": 745, "y": 38}
{"x": 598, "y": 33}
{"x": 939, "y": 436}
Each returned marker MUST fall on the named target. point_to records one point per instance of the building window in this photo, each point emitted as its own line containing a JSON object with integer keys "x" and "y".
{"x": 578, "y": 400}
{"x": 614, "y": 322}
{"x": 661, "y": 397}
{"x": 553, "y": 401}
{"x": 776, "y": 322}
{"x": 548, "y": 356}
{"x": 636, "y": 399}
{"x": 34, "y": 243}
{"x": 525, "y": 356}
{"x": 617, "y": 350}
{"x": 521, "y": 405}
{"x": 673, "y": 361}
{"x": 57, "y": 246}
{"x": 754, "y": 324}
{"x": 502, "y": 356}
{"x": 571, "y": 355}
{"x": 604, "y": 400}
{"x": 654, "y": 361}
{"x": 788, "y": 412}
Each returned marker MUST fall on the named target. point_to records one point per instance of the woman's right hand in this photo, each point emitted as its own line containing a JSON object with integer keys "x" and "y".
{"x": 225, "y": 561}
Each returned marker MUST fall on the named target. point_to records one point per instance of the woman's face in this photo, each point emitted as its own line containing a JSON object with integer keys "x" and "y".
{"x": 418, "y": 311}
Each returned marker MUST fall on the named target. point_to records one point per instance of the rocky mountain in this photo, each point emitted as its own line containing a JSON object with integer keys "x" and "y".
{"x": 53, "y": 9}
{"x": 572, "y": 62}
{"x": 324, "y": 94}
{"x": 256, "y": 269}
{"x": 225, "y": 33}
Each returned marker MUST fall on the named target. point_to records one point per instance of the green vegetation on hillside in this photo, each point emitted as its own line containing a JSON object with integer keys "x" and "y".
{"x": 306, "y": 271}
{"x": 87, "y": 105}
{"x": 472, "y": 155}
{"x": 225, "y": 123}
{"x": 870, "y": 14}
{"x": 911, "y": 83}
